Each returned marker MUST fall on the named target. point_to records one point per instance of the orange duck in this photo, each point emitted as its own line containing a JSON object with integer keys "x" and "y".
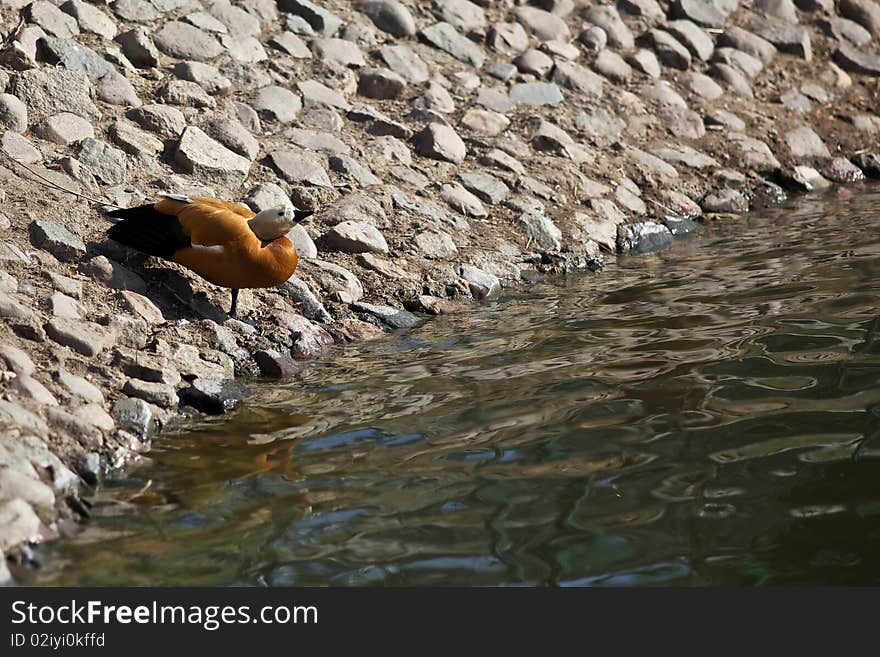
{"x": 223, "y": 242}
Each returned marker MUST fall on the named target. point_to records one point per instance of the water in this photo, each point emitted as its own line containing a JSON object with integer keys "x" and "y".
{"x": 707, "y": 415}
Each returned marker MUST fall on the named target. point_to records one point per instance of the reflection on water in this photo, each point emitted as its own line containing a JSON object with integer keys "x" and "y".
{"x": 708, "y": 415}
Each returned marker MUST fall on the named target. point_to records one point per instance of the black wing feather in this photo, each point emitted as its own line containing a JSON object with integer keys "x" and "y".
{"x": 149, "y": 231}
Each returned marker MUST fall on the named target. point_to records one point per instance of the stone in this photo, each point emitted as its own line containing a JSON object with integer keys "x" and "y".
{"x": 536, "y": 93}
{"x": 612, "y": 66}
{"x": 484, "y": 186}
{"x": 113, "y": 275}
{"x": 606, "y": 17}
{"x": 133, "y": 415}
{"x": 62, "y": 305}
{"x": 56, "y": 239}
{"x": 435, "y": 244}
{"x": 435, "y": 98}
{"x": 869, "y": 163}
{"x": 594, "y": 38}
{"x": 723, "y": 118}
{"x": 90, "y": 18}
{"x": 864, "y": 12}
{"x": 570, "y": 75}
{"x": 782, "y": 9}
{"x": 393, "y": 317}
{"x": 440, "y": 142}
{"x": 732, "y": 78}
{"x": 80, "y": 387}
{"x": 756, "y": 154}
{"x": 405, "y": 63}
{"x": 681, "y": 122}
{"x": 389, "y": 16}
{"x": 534, "y": 62}
{"x": 297, "y": 166}
{"x": 669, "y": 51}
{"x": 462, "y": 200}
{"x": 200, "y": 155}
{"x": 350, "y": 167}
{"x": 445, "y": 37}
{"x": 208, "y": 77}
{"x": 115, "y": 89}
{"x": 291, "y": 44}
{"x": 108, "y": 164}
{"x": 356, "y": 237}
{"x": 160, "y": 394}
{"x": 857, "y": 60}
{"x": 185, "y": 41}
{"x": 51, "y": 19}
{"x": 19, "y": 148}
{"x": 315, "y": 93}
{"x": 13, "y": 113}
{"x": 804, "y": 142}
{"x": 277, "y": 104}
{"x": 309, "y": 339}
{"x": 841, "y": 170}
{"x": 726, "y": 201}
{"x": 134, "y": 141}
{"x": 482, "y": 284}
{"x": 686, "y": 155}
{"x": 137, "y": 45}
{"x": 50, "y": 91}
{"x": 705, "y": 12}
{"x": 541, "y": 229}
{"x": 507, "y": 38}
{"x": 845, "y": 29}
{"x": 136, "y": 11}
{"x": 645, "y": 61}
{"x": 275, "y": 365}
{"x": 16, "y": 360}
{"x": 692, "y": 37}
{"x": 86, "y": 338}
{"x": 484, "y": 122}
{"x": 74, "y": 56}
{"x": 19, "y": 523}
{"x": 185, "y": 93}
{"x": 10, "y": 308}
{"x": 141, "y": 306}
{"x": 234, "y": 136}
{"x": 319, "y": 19}
{"x": 542, "y": 24}
{"x": 169, "y": 122}
{"x": 380, "y": 83}
{"x": 752, "y": 44}
{"x": 792, "y": 39}
{"x": 338, "y": 51}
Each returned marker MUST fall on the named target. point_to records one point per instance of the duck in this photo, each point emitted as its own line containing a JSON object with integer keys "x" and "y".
{"x": 223, "y": 242}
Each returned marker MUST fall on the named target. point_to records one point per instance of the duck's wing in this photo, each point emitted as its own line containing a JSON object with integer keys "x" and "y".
{"x": 178, "y": 222}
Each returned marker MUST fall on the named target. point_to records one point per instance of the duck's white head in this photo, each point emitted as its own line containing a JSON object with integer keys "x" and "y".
{"x": 272, "y": 223}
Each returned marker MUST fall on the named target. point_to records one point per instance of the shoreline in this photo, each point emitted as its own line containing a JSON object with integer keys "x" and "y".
{"x": 441, "y": 168}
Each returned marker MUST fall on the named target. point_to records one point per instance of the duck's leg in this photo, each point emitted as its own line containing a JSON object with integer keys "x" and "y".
{"x": 234, "y": 302}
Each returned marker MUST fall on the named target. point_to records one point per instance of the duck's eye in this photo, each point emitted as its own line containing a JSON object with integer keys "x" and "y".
{"x": 281, "y": 213}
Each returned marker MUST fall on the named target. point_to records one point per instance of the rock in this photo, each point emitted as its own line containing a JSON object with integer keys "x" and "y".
{"x": 136, "y": 11}
{"x": 732, "y": 78}
{"x": 297, "y": 166}
{"x": 845, "y": 29}
{"x": 841, "y": 170}
{"x": 50, "y": 91}
{"x": 13, "y": 113}
{"x": 568, "y": 74}
{"x": 90, "y": 18}
{"x": 445, "y": 37}
{"x": 380, "y": 83}
{"x": 350, "y": 167}
{"x": 85, "y": 338}
{"x": 56, "y": 239}
{"x": 74, "y": 56}
{"x": 185, "y": 41}
{"x": 536, "y": 93}
{"x": 689, "y": 34}
{"x": 315, "y": 93}
{"x": 10, "y": 308}
{"x": 534, "y": 62}
{"x": 864, "y": 12}
{"x": 486, "y": 187}
{"x": 725, "y": 119}
{"x": 51, "y": 19}
{"x": 645, "y": 61}
{"x": 803, "y": 142}
{"x": 208, "y": 77}
{"x": 80, "y": 387}
{"x": 792, "y": 39}
{"x": 390, "y": 16}
{"x": 704, "y": 86}
{"x": 277, "y": 104}
{"x": 185, "y": 93}
{"x": 303, "y": 296}
{"x": 113, "y": 275}
{"x": 645, "y": 237}
{"x": 541, "y": 229}
{"x": 134, "y": 141}
{"x": 291, "y": 44}
{"x": 234, "y": 136}
{"x": 542, "y": 24}
{"x": 160, "y": 394}
{"x": 594, "y": 38}
{"x": 669, "y": 51}
{"x": 685, "y": 155}
{"x": 19, "y": 148}
{"x": 869, "y": 163}
{"x": 275, "y": 365}
{"x": 200, "y": 155}
{"x": 484, "y": 122}
{"x": 606, "y": 17}
{"x": 681, "y": 122}
{"x": 507, "y": 38}
{"x": 481, "y": 284}
{"x": 62, "y": 305}
{"x": 393, "y": 317}
{"x": 18, "y": 522}
{"x": 500, "y": 160}
{"x": 440, "y": 142}
{"x": 16, "y": 360}
{"x": 740, "y": 39}
{"x": 705, "y": 12}
{"x": 462, "y": 200}
{"x": 857, "y": 60}
{"x": 461, "y": 14}
{"x": 138, "y": 47}
{"x": 309, "y": 339}
{"x": 338, "y": 51}
{"x": 105, "y": 162}
{"x": 727, "y": 201}
{"x": 756, "y": 154}
{"x": 141, "y": 306}
{"x": 356, "y": 237}
{"x": 435, "y": 99}
{"x": 321, "y": 21}
{"x": 435, "y": 244}
{"x": 213, "y": 396}
{"x": 612, "y": 66}
{"x": 168, "y": 122}
{"x": 133, "y": 415}
{"x": 115, "y": 89}
{"x": 405, "y": 63}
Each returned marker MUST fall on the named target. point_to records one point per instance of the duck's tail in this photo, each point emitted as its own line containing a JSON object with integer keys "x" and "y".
{"x": 149, "y": 231}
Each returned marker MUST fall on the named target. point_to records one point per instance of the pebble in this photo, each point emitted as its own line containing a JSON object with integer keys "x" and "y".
{"x": 390, "y": 16}
{"x": 356, "y": 237}
{"x": 440, "y": 142}
{"x": 56, "y": 239}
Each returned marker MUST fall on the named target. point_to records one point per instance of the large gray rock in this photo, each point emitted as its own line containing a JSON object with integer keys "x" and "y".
{"x": 748, "y": 42}
{"x": 804, "y": 142}
{"x": 297, "y": 166}
{"x": 277, "y": 104}
{"x": 462, "y": 14}
{"x": 390, "y": 16}
{"x": 440, "y": 142}
{"x": 406, "y": 63}
{"x": 356, "y": 237}
{"x": 56, "y": 239}
{"x": 669, "y": 51}
{"x": 65, "y": 129}
{"x": 864, "y": 12}
{"x": 138, "y": 47}
{"x": 792, "y": 39}
{"x": 51, "y": 19}
{"x": 13, "y": 113}
{"x": 187, "y": 42}
{"x": 74, "y": 56}
{"x": 606, "y": 17}
{"x": 105, "y": 162}
{"x": 338, "y": 51}
{"x": 200, "y": 155}
{"x": 53, "y": 90}
{"x": 115, "y": 89}
{"x": 167, "y": 121}
{"x": 85, "y": 338}
{"x": 857, "y": 60}
{"x": 445, "y": 37}
{"x": 486, "y": 187}
{"x": 208, "y": 77}
{"x": 692, "y": 37}
{"x": 322, "y": 21}
{"x": 536, "y": 93}
{"x": 705, "y": 12}
{"x": 90, "y": 18}
{"x": 507, "y": 38}
{"x": 542, "y": 24}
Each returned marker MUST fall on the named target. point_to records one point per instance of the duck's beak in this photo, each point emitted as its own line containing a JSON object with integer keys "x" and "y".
{"x": 301, "y": 215}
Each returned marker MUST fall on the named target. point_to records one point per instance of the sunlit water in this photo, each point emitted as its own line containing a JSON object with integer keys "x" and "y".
{"x": 707, "y": 415}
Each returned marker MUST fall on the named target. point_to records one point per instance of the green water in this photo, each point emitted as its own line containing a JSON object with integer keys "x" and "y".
{"x": 707, "y": 415}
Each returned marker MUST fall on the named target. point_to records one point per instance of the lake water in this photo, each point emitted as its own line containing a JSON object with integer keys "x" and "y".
{"x": 709, "y": 415}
